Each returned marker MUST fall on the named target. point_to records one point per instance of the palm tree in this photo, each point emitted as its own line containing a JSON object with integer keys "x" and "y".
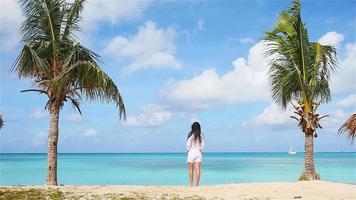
{"x": 60, "y": 67}
{"x": 300, "y": 71}
{"x": 350, "y": 127}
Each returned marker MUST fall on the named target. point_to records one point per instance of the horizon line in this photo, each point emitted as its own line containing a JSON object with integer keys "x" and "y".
{"x": 173, "y": 152}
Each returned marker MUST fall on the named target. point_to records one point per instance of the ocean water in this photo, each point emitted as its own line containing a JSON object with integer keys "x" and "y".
{"x": 171, "y": 168}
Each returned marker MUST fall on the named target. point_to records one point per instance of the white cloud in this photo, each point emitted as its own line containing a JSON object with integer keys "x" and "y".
{"x": 246, "y": 40}
{"x": 336, "y": 119}
{"x": 272, "y": 116}
{"x": 349, "y": 101}
{"x": 94, "y": 13}
{"x": 10, "y": 21}
{"x": 74, "y": 118}
{"x": 111, "y": 11}
{"x": 247, "y": 82}
{"x": 344, "y": 79}
{"x": 90, "y": 133}
{"x": 200, "y": 25}
{"x": 331, "y": 38}
{"x": 150, "y": 48}
{"x": 39, "y": 139}
{"x": 38, "y": 114}
{"x": 149, "y": 116}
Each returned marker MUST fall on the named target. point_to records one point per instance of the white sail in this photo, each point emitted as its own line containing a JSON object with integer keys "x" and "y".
{"x": 291, "y": 151}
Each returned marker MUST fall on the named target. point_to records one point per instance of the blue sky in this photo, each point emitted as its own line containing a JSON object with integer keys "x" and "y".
{"x": 176, "y": 62}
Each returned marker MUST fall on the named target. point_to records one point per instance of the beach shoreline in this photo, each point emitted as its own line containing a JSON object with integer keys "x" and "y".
{"x": 313, "y": 190}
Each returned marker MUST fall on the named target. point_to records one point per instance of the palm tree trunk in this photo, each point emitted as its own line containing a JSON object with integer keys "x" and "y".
{"x": 52, "y": 145}
{"x": 309, "y": 170}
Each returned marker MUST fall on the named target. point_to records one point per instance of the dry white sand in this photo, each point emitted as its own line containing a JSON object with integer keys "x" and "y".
{"x": 312, "y": 190}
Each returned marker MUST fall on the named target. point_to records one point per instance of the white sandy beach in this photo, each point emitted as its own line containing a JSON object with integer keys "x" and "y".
{"x": 313, "y": 190}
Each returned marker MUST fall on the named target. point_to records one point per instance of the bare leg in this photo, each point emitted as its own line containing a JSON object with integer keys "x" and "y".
{"x": 197, "y": 171}
{"x": 191, "y": 173}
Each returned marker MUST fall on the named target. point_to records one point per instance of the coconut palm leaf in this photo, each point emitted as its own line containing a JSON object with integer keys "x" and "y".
{"x": 29, "y": 63}
{"x": 349, "y": 127}
{"x": 72, "y": 19}
{"x": 92, "y": 82}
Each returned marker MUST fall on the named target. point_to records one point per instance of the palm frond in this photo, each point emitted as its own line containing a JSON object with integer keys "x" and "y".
{"x": 299, "y": 69}
{"x": 324, "y": 57}
{"x": 61, "y": 67}
{"x": 29, "y": 63}
{"x": 349, "y": 127}
{"x": 93, "y": 82}
{"x": 75, "y": 103}
{"x": 80, "y": 53}
{"x": 43, "y": 20}
{"x": 36, "y": 90}
{"x": 72, "y": 18}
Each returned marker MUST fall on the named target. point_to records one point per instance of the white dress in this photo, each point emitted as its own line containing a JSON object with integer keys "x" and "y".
{"x": 194, "y": 148}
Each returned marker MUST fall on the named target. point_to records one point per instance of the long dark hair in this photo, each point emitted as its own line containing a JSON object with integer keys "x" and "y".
{"x": 196, "y": 132}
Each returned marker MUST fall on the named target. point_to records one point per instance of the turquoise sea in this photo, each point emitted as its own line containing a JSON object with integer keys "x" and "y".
{"x": 171, "y": 168}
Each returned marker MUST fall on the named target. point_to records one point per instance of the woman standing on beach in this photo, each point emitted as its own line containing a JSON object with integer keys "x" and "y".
{"x": 195, "y": 145}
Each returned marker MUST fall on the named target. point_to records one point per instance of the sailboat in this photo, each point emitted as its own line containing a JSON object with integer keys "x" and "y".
{"x": 291, "y": 151}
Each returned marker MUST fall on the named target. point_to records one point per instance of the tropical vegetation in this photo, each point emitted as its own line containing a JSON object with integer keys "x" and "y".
{"x": 60, "y": 67}
{"x": 299, "y": 75}
{"x": 349, "y": 127}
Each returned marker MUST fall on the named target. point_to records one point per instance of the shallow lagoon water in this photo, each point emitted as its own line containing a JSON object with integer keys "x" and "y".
{"x": 171, "y": 168}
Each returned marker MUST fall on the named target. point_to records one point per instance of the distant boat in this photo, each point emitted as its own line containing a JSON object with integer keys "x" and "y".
{"x": 291, "y": 151}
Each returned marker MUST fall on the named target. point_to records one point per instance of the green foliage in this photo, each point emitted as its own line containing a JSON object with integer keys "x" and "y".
{"x": 30, "y": 194}
{"x": 300, "y": 69}
{"x": 56, "y": 194}
{"x": 60, "y": 66}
